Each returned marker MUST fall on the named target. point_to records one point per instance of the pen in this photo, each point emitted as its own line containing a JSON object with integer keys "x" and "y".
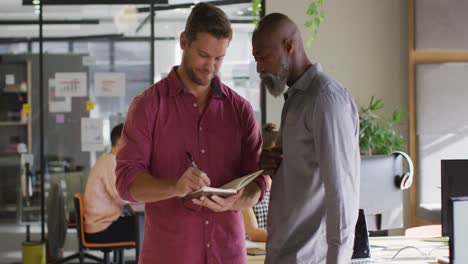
{"x": 191, "y": 159}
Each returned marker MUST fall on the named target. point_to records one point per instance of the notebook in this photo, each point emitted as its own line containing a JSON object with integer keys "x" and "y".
{"x": 228, "y": 189}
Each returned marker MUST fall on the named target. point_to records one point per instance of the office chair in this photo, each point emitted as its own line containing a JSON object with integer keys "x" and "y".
{"x": 384, "y": 176}
{"x": 106, "y": 248}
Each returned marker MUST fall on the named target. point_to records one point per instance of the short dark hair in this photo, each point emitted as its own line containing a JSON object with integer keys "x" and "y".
{"x": 116, "y": 133}
{"x": 210, "y": 19}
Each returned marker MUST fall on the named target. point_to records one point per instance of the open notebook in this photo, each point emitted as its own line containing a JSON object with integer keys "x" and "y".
{"x": 226, "y": 190}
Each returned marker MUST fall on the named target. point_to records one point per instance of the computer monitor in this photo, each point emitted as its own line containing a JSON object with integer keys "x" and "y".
{"x": 454, "y": 177}
{"x": 380, "y": 198}
{"x": 458, "y": 229}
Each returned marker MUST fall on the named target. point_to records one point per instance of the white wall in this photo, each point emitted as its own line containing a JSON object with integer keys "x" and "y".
{"x": 362, "y": 43}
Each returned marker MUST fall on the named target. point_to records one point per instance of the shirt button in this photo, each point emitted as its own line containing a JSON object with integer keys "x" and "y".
{"x": 203, "y": 151}
{"x": 195, "y": 105}
{"x": 201, "y": 128}
{"x": 208, "y": 245}
{"x": 207, "y": 222}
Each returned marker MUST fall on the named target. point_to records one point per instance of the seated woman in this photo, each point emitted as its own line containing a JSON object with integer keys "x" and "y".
{"x": 105, "y": 220}
{"x": 255, "y": 218}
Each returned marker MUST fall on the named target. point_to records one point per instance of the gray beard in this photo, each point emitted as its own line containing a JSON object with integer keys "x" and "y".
{"x": 273, "y": 84}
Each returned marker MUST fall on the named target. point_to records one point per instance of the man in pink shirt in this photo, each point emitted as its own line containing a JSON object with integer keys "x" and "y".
{"x": 191, "y": 111}
{"x": 102, "y": 204}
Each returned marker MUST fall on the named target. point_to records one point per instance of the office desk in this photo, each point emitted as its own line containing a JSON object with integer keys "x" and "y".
{"x": 383, "y": 249}
{"x": 255, "y": 259}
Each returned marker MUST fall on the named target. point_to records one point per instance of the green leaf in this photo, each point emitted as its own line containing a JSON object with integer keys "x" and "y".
{"x": 314, "y": 25}
{"x": 377, "y": 105}
{"x": 317, "y": 22}
{"x": 398, "y": 116}
{"x": 308, "y": 23}
{"x": 312, "y": 9}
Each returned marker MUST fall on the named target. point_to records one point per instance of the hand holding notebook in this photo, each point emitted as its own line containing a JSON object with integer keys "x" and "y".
{"x": 226, "y": 190}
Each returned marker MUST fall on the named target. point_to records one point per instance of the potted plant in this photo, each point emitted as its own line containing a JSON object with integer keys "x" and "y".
{"x": 377, "y": 134}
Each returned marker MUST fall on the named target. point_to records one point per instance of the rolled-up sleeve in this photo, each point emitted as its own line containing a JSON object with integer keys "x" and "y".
{"x": 335, "y": 121}
{"x": 134, "y": 155}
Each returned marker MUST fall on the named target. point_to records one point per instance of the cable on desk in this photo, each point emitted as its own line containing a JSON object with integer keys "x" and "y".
{"x": 420, "y": 251}
{"x": 408, "y": 247}
{"x": 434, "y": 248}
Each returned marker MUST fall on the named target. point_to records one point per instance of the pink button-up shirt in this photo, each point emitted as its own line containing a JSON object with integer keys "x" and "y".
{"x": 162, "y": 124}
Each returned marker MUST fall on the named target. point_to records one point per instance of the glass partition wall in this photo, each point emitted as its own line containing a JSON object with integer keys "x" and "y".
{"x": 95, "y": 60}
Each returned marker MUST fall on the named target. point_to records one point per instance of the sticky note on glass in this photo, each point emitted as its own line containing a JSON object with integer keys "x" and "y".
{"x": 9, "y": 79}
{"x": 27, "y": 108}
{"x": 60, "y": 118}
{"x": 89, "y": 105}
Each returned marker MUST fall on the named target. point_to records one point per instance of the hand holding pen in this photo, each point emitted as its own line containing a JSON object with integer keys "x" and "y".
{"x": 190, "y": 157}
{"x": 192, "y": 179}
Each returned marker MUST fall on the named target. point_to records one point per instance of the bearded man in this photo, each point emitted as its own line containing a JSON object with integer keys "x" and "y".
{"x": 315, "y": 165}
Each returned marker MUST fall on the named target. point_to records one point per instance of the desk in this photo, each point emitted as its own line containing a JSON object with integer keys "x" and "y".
{"x": 382, "y": 248}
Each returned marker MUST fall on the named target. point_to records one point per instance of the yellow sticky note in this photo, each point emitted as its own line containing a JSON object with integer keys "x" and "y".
{"x": 27, "y": 108}
{"x": 89, "y": 105}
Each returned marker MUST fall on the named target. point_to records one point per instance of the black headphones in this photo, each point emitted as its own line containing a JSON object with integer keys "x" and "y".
{"x": 404, "y": 181}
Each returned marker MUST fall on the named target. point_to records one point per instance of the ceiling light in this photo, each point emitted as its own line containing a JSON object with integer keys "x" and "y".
{"x": 126, "y": 19}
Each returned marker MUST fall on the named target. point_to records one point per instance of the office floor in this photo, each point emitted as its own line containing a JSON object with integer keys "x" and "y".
{"x": 12, "y": 235}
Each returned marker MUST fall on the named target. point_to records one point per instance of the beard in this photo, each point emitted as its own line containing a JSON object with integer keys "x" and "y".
{"x": 275, "y": 83}
{"x": 197, "y": 79}
{"x": 192, "y": 74}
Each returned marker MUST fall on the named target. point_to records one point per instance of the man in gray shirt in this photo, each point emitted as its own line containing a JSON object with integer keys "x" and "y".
{"x": 315, "y": 165}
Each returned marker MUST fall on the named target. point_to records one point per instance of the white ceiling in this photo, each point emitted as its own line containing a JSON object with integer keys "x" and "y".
{"x": 167, "y": 23}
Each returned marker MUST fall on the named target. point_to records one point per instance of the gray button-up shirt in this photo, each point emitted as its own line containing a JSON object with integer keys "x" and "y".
{"x": 315, "y": 193}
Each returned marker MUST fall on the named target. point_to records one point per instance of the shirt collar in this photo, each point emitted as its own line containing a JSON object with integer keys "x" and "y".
{"x": 304, "y": 80}
{"x": 177, "y": 86}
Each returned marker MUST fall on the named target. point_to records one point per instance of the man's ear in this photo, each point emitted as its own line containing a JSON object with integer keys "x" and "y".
{"x": 183, "y": 40}
{"x": 288, "y": 45}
